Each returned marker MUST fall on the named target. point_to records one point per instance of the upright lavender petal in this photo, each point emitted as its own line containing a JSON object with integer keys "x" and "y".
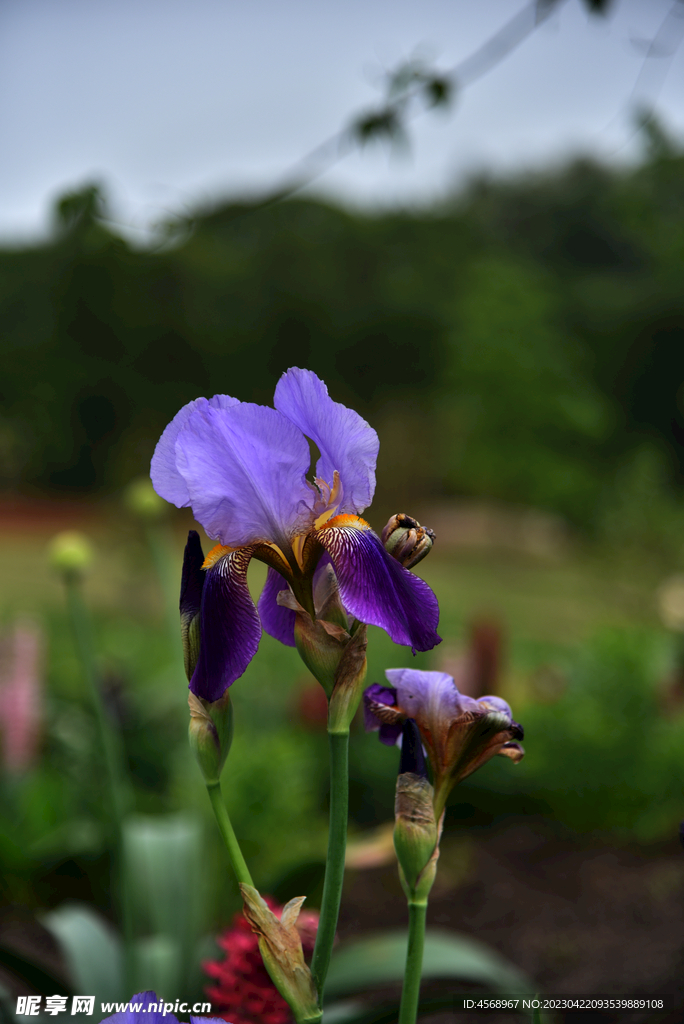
{"x": 167, "y": 480}
{"x": 376, "y": 588}
{"x": 430, "y": 696}
{"x": 277, "y": 621}
{"x": 346, "y": 442}
{"x": 229, "y": 626}
{"x": 245, "y": 472}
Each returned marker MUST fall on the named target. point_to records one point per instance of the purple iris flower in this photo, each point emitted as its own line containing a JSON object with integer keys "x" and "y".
{"x": 459, "y": 733}
{"x": 138, "y": 1012}
{"x": 242, "y": 469}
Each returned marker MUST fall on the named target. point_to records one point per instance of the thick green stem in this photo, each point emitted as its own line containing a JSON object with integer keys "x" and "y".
{"x": 228, "y": 835}
{"x": 334, "y": 868}
{"x": 120, "y": 797}
{"x": 410, "y": 994}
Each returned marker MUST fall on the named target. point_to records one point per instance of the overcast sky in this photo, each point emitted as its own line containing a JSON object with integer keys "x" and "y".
{"x": 172, "y": 103}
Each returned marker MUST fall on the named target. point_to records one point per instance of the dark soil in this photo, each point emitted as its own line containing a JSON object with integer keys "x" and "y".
{"x": 578, "y": 916}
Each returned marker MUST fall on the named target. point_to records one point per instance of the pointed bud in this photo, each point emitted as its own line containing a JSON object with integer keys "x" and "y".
{"x": 192, "y": 582}
{"x": 281, "y": 950}
{"x": 415, "y": 830}
{"x": 210, "y": 733}
{"x": 349, "y": 680}
{"x": 406, "y": 540}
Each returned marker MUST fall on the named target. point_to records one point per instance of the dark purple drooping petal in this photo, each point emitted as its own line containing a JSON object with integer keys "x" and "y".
{"x": 277, "y": 621}
{"x": 229, "y": 626}
{"x": 377, "y": 589}
{"x": 346, "y": 442}
{"x": 192, "y": 577}
{"x": 192, "y": 585}
{"x": 412, "y": 757}
{"x": 378, "y": 694}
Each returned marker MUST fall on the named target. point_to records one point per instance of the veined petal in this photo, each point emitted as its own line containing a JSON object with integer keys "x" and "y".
{"x": 166, "y": 479}
{"x": 375, "y": 588}
{"x": 429, "y": 697}
{"x": 245, "y": 468}
{"x": 229, "y": 626}
{"x": 278, "y": 622}
{"x": 346, "y": 442}
{"x": 375, "y": 696}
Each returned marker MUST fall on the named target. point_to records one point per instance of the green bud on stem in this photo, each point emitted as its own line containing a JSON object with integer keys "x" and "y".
{"x": 415, "y": 834}
{"x": 210, "y": 733}
{"x": 70, "y": 553}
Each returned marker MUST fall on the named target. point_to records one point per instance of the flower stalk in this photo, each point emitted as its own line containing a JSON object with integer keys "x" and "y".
{"x": 70, "y": 555}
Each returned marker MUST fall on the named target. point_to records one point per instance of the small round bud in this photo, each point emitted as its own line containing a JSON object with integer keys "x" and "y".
{"x": 70, "y": 553}
{"x": 406, "y": 540}
{"x": 142, "y": 500}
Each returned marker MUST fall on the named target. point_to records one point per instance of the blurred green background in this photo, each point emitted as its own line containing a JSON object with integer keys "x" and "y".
{"x": 520, "y": 349}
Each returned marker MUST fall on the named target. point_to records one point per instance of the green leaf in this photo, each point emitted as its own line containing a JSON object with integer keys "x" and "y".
{"x": 91, "y": 949}
{"x": 162, "y": 860}
{"x": 380, "y": 958}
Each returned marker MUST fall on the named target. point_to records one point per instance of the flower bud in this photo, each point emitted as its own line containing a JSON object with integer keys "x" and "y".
{"x": 142, "y": 500}
{"x": 210, "y": 733}
{"x": 70, "y": 553}
{"x": 192, "y": 582}
{"x": 415, "y": 830}
{"x": 406, "y": 540}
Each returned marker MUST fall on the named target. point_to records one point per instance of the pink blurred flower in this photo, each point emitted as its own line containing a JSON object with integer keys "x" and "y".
{"x": 21, "y": 695}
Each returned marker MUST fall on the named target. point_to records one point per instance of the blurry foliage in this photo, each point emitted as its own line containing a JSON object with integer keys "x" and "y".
{"x": 529, "y": 334}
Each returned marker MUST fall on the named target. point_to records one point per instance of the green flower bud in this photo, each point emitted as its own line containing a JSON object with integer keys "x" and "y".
{"x": 416, "y": 834}
{"x": 142, "y": 500}
{"x": 406, "y": 540}
{"x": 210, "y": 733}
{"x": 70, "y": 553}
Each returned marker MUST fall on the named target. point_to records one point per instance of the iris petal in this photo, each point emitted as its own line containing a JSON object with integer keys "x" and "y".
{"x": 346, "y": 442}
{"x": 167, "y": 480}
{"x": 376, "y": 588}
{"x": 229, "y": 626}
{"x": 277, "y": 621}
{"x": 429, "y": 696}
{"x": 245, "y": 472}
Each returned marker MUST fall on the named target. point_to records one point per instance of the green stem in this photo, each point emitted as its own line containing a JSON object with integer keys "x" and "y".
{"x": 229, "y": 838}
{"x": 120, "y": 796}
{"x": 334, "y": 868}
{"x": 410, "y": 993}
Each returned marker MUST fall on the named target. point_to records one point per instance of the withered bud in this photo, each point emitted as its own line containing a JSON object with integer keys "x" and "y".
{"x": 406, "y": 540}
{"x": 280, "y": 946}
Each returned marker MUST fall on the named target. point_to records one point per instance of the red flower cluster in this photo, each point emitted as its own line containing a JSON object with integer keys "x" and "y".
{"x": 244, "y": 993}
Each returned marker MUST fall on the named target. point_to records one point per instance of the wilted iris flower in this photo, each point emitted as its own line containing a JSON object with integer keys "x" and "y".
{"x": 459, "y": 733}
{"x": 242, "y": 469}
